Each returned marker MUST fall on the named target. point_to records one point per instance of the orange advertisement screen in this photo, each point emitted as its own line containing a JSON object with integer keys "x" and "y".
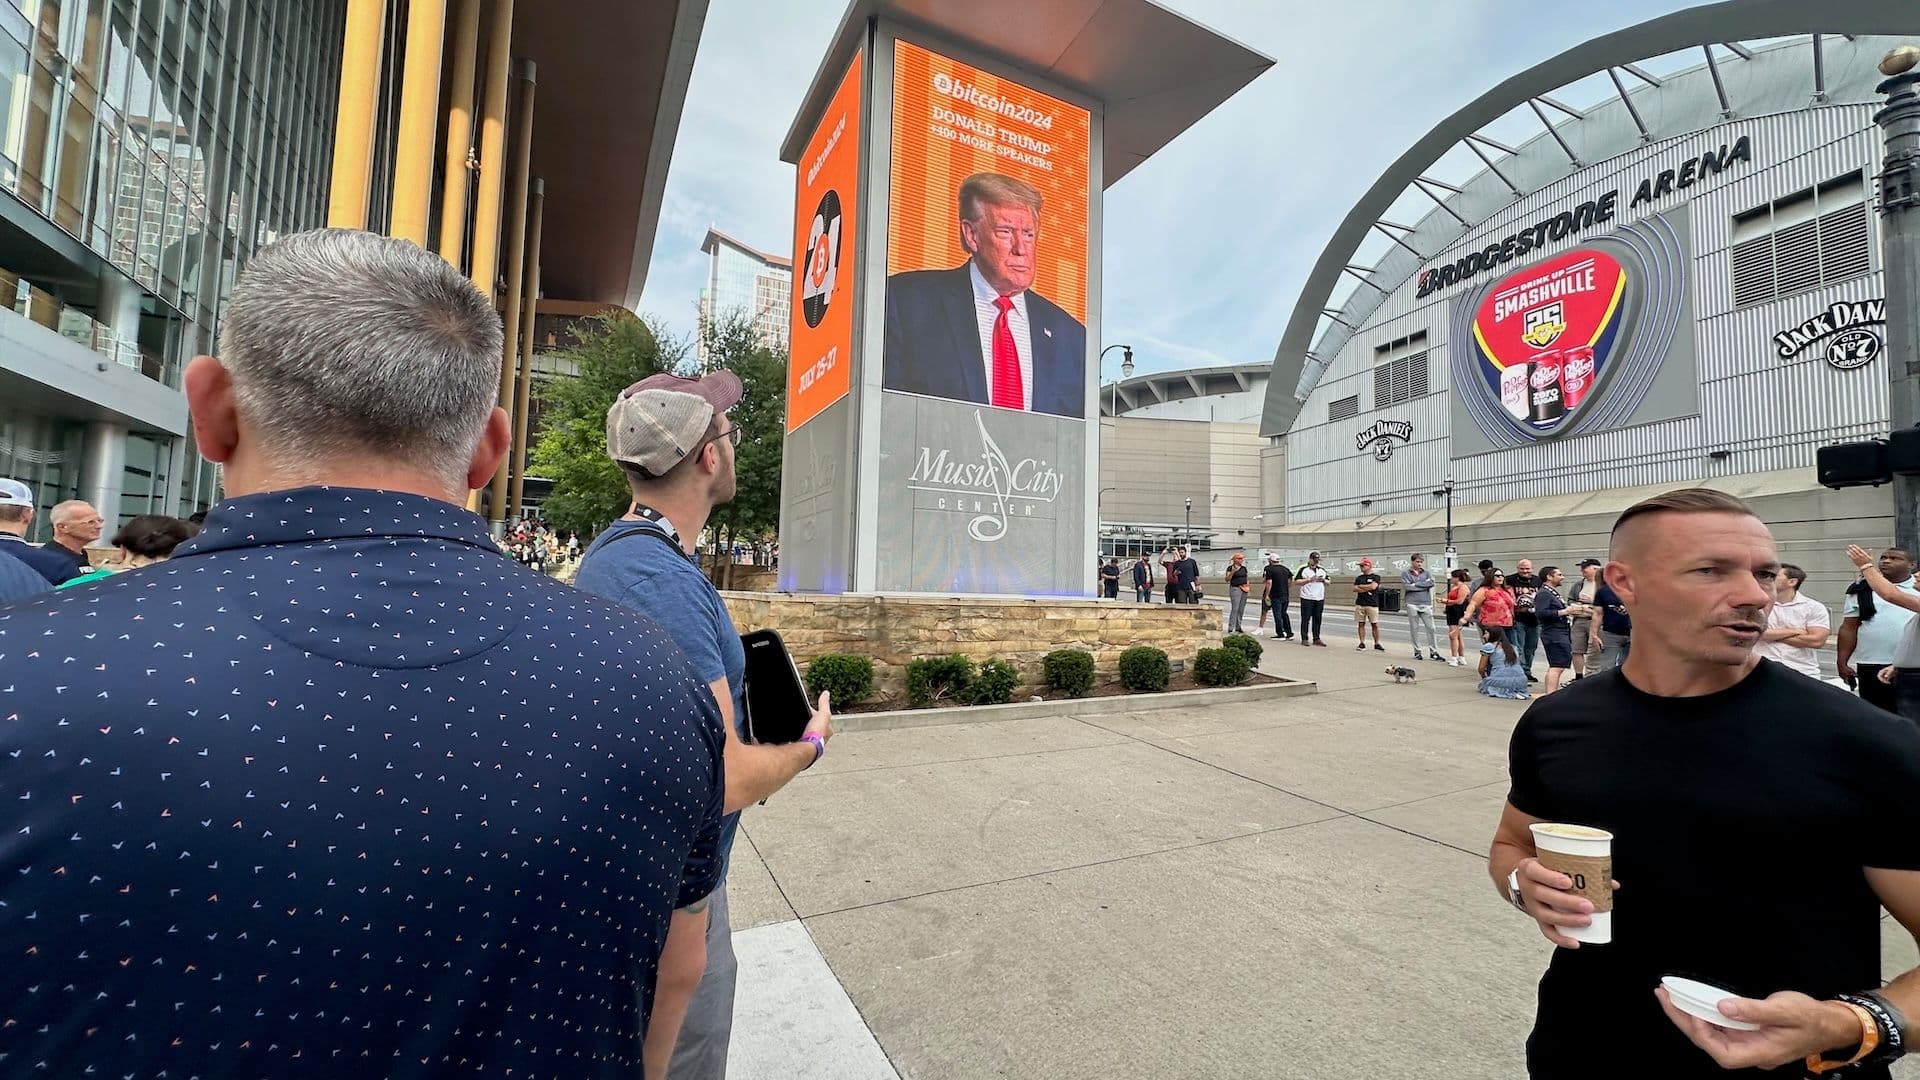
{"x": 820, "y": 363}
{"x": 986, "y": 239}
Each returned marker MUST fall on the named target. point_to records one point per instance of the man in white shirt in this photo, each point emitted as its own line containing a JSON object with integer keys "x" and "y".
{"x": 1870, "y": 633}
{"x": 1312, "y": 579}
{"x": 1797, "y": 626}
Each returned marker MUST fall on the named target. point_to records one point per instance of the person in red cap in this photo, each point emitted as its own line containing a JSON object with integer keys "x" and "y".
{"x": 672, "y": 437}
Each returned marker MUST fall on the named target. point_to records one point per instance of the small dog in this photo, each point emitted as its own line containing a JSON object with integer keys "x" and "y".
{"x": 1402, "y": 674}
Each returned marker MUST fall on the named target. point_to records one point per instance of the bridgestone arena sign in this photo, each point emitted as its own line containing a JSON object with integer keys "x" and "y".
{"x": 1583, "y": 217}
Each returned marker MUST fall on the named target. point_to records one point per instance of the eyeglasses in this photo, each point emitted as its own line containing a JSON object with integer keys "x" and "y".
{"x": 731, "y": 435}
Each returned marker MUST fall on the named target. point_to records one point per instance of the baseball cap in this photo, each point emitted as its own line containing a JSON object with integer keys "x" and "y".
{"x": 1273, "y": 556}
{"x": 1590, "y": 562}
{"x": 15, "y": 493}
{"x": 658, "y": 421}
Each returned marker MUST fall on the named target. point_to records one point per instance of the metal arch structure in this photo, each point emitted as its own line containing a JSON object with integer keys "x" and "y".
{"x": 1647, "y": 109}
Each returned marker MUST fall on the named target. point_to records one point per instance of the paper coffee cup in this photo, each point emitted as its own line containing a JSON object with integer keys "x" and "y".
{"x": 1585, "y": 855}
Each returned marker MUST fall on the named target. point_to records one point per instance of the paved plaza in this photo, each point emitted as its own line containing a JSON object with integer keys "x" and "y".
{"x": 1294, "y": 889}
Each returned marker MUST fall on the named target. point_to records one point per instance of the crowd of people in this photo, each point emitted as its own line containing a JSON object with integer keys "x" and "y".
{"x": 63, "y": 562}
{"x": 338, "y": 789}
{"x": 534, "y": 544}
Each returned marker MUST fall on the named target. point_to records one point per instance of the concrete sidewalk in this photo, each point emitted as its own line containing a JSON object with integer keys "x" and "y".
{"x": 1290, "y": 889}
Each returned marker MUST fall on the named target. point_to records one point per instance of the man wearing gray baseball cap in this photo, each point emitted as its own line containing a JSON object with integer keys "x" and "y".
{"x": 48, "y": 568}
{"x": 673, "y": 439}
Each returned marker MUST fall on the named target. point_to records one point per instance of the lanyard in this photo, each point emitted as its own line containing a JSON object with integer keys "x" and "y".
{"x": 663, "y": 529}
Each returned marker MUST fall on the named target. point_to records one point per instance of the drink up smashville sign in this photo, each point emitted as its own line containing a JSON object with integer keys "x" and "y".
{"x": 1546, "y": 335}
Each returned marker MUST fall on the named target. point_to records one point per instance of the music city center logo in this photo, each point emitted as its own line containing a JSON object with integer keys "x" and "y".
{"x": 992, "y": 487}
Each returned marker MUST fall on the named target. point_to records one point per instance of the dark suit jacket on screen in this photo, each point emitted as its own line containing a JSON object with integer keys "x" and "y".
{"x": 933, "y": 344}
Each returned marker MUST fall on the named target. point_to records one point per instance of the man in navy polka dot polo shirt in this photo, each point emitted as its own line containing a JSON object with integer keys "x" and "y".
{"x": 674, "y": 440}
{"x": 339, "y": 790}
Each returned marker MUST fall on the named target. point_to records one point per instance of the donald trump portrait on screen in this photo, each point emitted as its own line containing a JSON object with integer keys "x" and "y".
{"x": 978, "y": 332}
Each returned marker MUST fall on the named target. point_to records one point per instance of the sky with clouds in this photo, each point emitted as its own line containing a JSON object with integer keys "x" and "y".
{"x": 1208, "y": 242}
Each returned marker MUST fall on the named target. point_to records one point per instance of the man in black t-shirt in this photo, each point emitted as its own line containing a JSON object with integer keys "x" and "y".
{"x": 1761, "y": 819}
{"x": 1366, "y": 605}
{"x": 1526, "y": 625}
{"x": 1189, "y": 578}
{"x": 1275, "y": 589}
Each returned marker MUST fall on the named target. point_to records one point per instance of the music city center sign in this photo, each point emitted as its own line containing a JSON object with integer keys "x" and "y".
{"x": 984, "y": 483}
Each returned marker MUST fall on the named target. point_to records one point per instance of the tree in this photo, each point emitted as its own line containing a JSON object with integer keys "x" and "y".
{"x": 589, "y": 490}
{"x": 754, "y": 512}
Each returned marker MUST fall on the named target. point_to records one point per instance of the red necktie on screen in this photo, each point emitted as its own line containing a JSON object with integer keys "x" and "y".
{"x": 1008, "y": 393}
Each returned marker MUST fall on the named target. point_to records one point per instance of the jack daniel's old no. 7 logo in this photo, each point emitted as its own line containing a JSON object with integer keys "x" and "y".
{"x": 990, "y": 486}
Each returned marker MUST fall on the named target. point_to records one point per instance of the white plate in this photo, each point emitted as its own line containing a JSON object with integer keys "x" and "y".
{"x": 1703, "y": 1000}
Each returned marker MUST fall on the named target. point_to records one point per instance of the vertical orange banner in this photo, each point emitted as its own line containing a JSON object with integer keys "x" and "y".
{"x": 820, "y": 361}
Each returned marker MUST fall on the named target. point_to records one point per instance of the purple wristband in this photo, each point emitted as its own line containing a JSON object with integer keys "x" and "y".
{"x": 819, "y": 745}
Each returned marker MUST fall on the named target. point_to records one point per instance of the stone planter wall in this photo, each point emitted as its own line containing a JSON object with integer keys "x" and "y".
{"x": 895, "y": 630}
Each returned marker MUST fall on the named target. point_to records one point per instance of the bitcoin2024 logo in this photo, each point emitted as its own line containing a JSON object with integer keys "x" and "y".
{"x": 822, "y": 268}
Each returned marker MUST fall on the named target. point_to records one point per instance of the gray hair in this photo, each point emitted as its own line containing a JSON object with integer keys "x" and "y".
{"x": 64, "y": 512}
{"x": 343, "y": 344}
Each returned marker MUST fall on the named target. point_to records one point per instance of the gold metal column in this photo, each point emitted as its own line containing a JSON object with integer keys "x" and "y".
{"x": 354, "y": 118}
{"x": 419, "y": 120}
{"x": 453, "y": 190}
{"x": 523, "y": 386}
{"x": 516, "y": 266}
{"x": 485, "y": 268}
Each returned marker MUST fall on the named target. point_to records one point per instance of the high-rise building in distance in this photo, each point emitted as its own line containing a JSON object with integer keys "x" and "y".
{"x": 748, "y": 283}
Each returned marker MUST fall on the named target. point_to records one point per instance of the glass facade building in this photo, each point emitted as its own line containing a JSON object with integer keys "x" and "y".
{"x": 147, "y": 148}
{"x": 746, "y": 283}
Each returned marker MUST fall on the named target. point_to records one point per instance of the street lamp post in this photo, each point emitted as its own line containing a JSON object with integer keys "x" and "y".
{"x": 1187, "y": 533}
{"x": 1899, "y": 122}
{"x": 1126, "y": 371}
{"x": 1451, "y": 555}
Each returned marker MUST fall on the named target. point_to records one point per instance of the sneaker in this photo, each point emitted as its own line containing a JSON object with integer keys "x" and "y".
{"x": 1322, "y": 644}
{"x": 1456, "y": 661}
{"x": 1417, "y": 656}
{"x": 1362, "y": 646}
{"x": 1304, "y": 644}
{"x": 1434, "y": 654}
{"x": 1379, "y": 647}
{"x": 1530, "y": 677}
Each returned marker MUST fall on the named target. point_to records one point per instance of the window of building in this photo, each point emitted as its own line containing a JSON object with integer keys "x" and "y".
{"x": 1344, "y": 409}
{"x": 1804, "y": 241}
{"x": 1401, "y": 380}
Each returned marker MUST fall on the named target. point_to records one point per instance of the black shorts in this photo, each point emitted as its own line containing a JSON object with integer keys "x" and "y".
{"x": 1559, "y": 648}
{"x": 1455, "y": 612}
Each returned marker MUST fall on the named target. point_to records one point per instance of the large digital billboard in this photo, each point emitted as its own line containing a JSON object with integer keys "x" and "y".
{"x": 820, "y": 366}
{"x": 1591, "y": 339}
{"x": 987, "y": 240}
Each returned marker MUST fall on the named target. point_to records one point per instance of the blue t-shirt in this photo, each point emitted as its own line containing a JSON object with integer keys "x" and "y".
{"x": 646, "y": 575}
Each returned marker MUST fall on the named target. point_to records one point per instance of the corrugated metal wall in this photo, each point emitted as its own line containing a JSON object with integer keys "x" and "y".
{"x": 1766, "y": 412}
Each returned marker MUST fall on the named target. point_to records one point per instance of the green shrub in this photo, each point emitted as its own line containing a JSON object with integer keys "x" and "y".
{"x": 1245, "y": 643}
{"x": 1144, "y": 669}
{"x": 936, "y": 677}
{"x": 1069, "y": 671}
{"x": 1221, "y": 667}
{"x": 847, "y": 677}
{"x": 994, "y": 685}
